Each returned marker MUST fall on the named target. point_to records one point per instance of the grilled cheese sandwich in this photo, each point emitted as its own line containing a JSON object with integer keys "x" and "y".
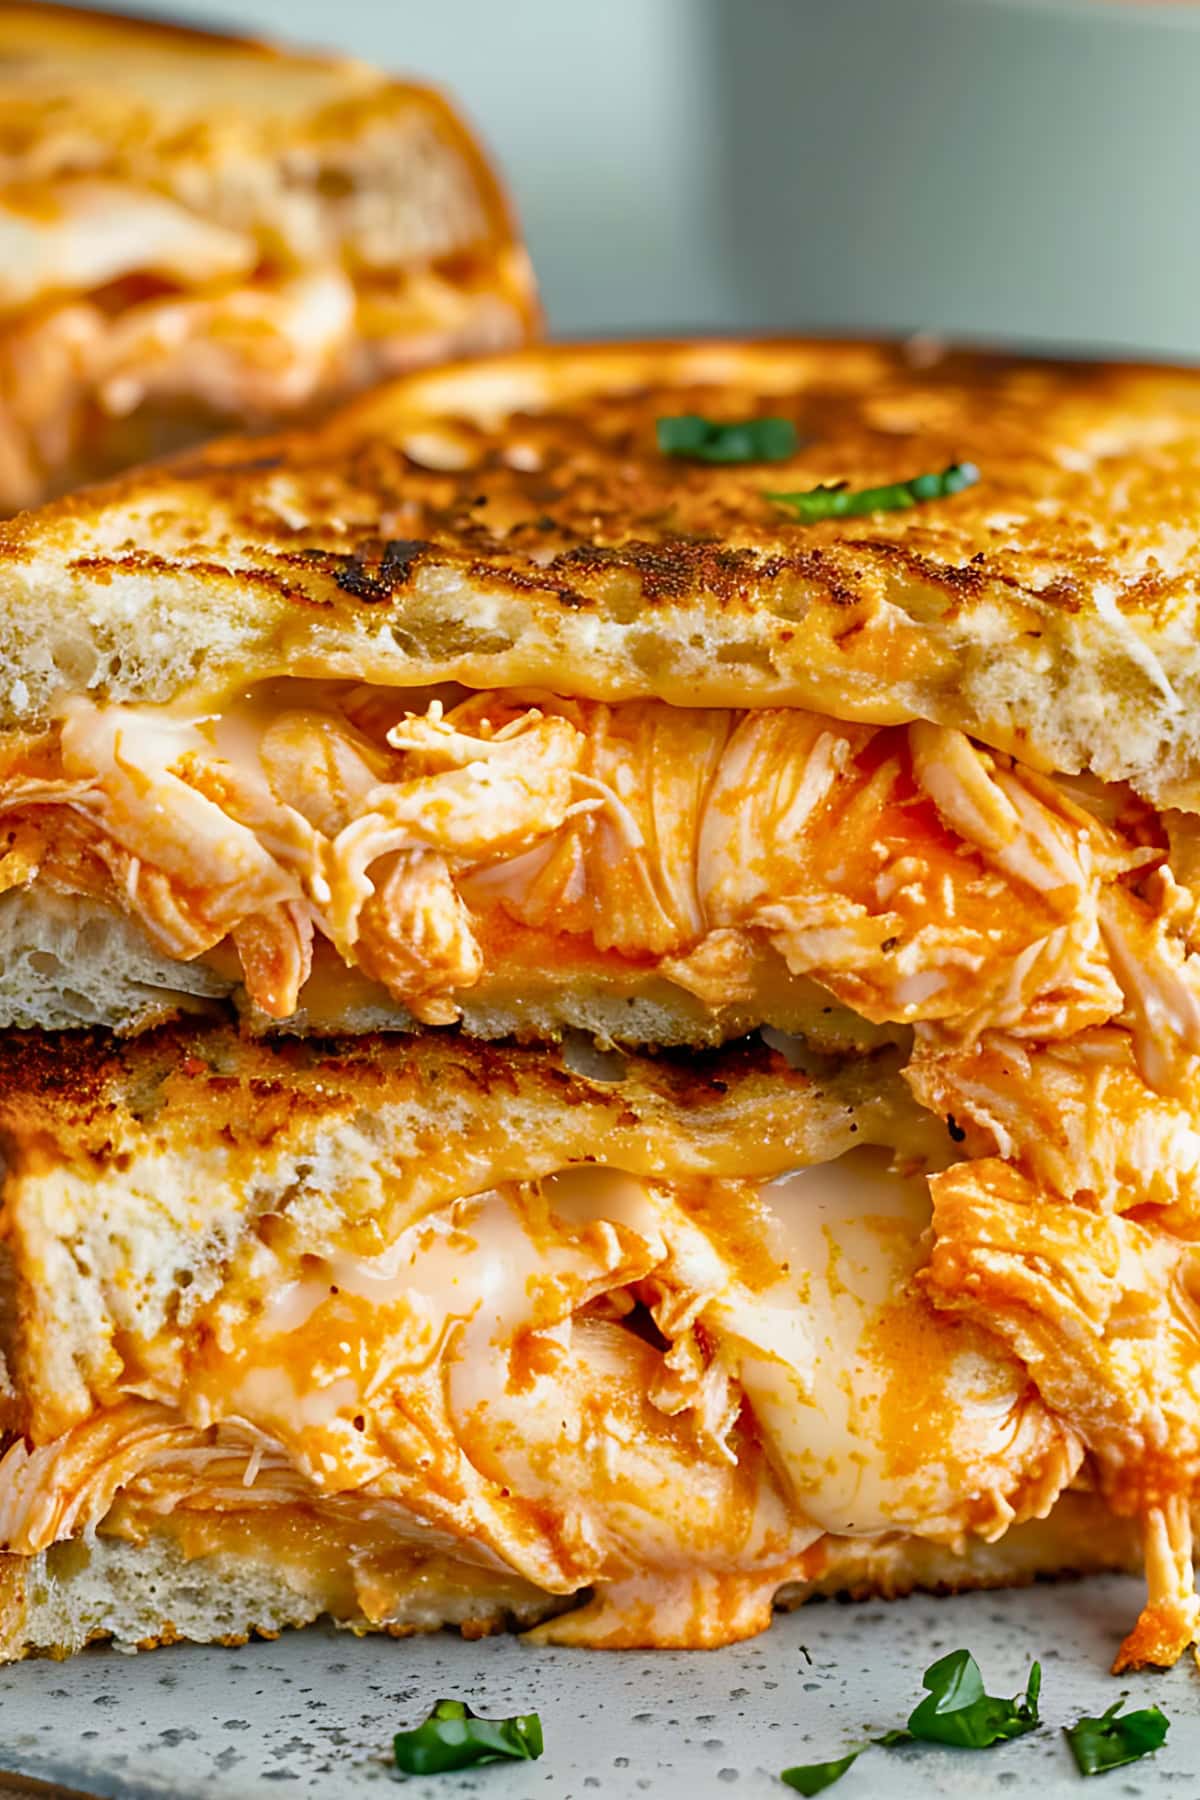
{"x": 476, "y": 710}
{"x": 228, "y": 234}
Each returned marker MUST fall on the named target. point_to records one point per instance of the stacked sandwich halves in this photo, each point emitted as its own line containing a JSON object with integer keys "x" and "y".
{"x": 200, "y": 231}
{"x": 641, "y": 1035}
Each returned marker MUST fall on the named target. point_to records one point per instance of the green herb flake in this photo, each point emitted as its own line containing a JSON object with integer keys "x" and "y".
{"x": 1115, "y": 1739}
{"x": 837, "y": 501}
{"x": 453, "y": 1737}
{"x": 698, "y": 439}
{"x": 814, "y": 1778}
{"x": 957, "y": 1711}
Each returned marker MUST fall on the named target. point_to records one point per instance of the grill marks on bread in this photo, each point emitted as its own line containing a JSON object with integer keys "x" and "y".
{"x": 545, "y": 540}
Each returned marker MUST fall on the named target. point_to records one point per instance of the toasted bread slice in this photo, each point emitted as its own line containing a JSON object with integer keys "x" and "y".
{"x": 513, "y": 523}
{"x": 159, "y": 1590}
{"x": 315, "y": 157}
{"x": 729, "y": 760}
{"x": 200, "y": 231}
{"x": 67, "y": 962}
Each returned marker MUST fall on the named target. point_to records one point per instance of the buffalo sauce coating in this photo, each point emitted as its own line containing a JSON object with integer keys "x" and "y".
{"x": 912, "y": 874}
{"x": 590, "y": 1381}
{"x": 1031, "y": 930}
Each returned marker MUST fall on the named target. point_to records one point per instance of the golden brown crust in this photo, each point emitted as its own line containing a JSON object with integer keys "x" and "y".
{"x": 512, "y": 522}
{"x": 193, "y": 111}
{"x": 188, "y": 83}
{"x": 78, "y": 1095}
{"x": 187, "y": 96}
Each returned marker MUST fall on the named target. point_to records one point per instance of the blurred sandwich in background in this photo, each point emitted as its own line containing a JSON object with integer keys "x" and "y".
{"x": 199, "y": 231}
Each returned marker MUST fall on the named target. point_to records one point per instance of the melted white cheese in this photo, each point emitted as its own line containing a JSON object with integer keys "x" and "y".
{"x": 852, "y": 1237}
{"x": 832, "y": 1357}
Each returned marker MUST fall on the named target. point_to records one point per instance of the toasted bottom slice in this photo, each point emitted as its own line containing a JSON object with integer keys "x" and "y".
{"x": 68, "y": 961}
{"x": 152, "y": 1593}
{"x": 161, "y": 1590}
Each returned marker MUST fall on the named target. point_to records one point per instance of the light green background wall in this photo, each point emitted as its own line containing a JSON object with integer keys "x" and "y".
{"x": 988, "y": 167}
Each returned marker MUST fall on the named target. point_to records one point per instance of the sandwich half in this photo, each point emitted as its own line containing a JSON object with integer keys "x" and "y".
{"x": 474, "y": 705}
{"x": 199, "y": 232}
{"x": 668, "y": 695}
{"x": 412, "y": 1332}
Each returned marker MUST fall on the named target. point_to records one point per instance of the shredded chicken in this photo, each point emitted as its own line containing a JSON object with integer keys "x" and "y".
{"x": 275, "y": 949}
{"x": 239, "y": 345}
{"x": 1097, "y": 1305}
{"x": 917, "y": 878}
{"x": 478, "y": 1377}
{"x": 489, "y": 796}
{"x": 1040, "y": 935}
{"x": 1170, "y": 1619}
{"x": 1076, "y": 1117}
{"x": 1100, "y": 1308}
{"x": 415, "y": 936}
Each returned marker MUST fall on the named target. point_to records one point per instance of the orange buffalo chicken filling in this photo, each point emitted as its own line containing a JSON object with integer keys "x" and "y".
{"x": 267, "y": 347}
{"x": 676, "y": 1397}
{"x": 914, "y": 875}
{"x": 1035, "y": 932}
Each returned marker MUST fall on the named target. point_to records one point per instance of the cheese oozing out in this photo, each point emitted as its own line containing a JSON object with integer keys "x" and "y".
{"x": 795, "y": 1382}
{"x": 883, "y": 1414}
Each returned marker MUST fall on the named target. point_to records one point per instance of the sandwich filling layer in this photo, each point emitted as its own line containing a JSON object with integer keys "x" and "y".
{"x": 96, "y": 381}
{"x": 915, "y": 877}
{"x": 667, "y": 1394}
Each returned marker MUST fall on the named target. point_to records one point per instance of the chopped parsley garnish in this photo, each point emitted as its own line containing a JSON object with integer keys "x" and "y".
{"x": 837, "y": 501}
{"x": 453, "y": 1737}
{"x": 703, "y": 440}
{"x": 814, "y": 1778}
{"x": 955, "y": 1710}
{"x": 1115, "y": 1739}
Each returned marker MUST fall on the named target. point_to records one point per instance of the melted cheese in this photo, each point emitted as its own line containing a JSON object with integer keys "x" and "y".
{"x": 83, "y": 233}
{"x": 224, "y": 342}
{"x": 480, "y": 1374}
{"x": 885, "y": 1414}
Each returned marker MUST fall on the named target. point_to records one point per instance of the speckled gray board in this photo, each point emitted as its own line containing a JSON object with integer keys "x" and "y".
{"x": 313, "y": 1714}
